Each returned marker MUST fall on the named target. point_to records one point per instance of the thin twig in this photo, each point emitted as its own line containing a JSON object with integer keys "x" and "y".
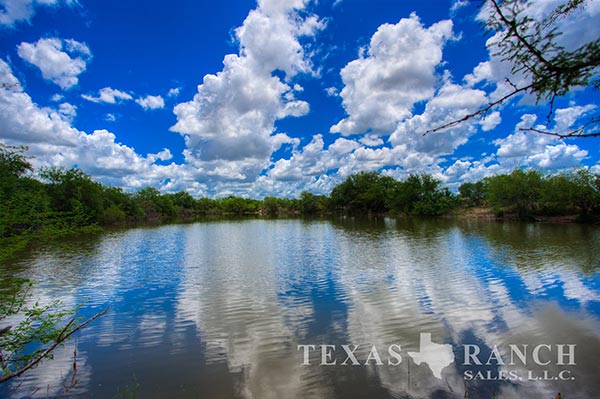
{"x": 62, "y": 337}
{"x": 515, "y": 31}
{"x": 574, "y": 133}
{"x": 579, "y": 132}
{"x": 480, "y": 112}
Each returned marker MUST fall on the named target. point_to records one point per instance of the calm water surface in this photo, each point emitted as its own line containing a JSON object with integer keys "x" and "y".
{"x": 218, "y": 309}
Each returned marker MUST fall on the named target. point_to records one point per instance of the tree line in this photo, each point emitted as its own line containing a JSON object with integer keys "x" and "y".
{"x": 52, "y": 201}
{"x": 522, "y": 195}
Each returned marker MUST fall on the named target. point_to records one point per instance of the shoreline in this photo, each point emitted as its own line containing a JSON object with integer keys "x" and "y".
{"x": 11, "y": 246}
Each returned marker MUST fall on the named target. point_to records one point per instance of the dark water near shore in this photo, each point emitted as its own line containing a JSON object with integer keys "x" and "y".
{"x": 218, "y": 309}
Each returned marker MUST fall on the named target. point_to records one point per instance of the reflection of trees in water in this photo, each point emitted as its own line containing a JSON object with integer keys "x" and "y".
{"x": 224, "y": 304}
{"x": 539, "y": 245}
{"x": 454, "y": 276}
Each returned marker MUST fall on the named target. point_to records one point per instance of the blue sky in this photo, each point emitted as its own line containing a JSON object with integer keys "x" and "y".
{"x": 273, "y": 97}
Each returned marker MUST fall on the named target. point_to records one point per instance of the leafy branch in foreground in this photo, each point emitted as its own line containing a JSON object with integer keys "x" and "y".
{"x": 42, "y": 326}
{"x": 549, "y": 70}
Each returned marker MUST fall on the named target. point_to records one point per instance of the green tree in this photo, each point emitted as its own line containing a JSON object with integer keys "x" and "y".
{"x": 23, "y": 200}
{"x": 363, "y": 191}
{"x": 119, "y": 207}
{"x": 472, "y": 194}
{"x": 239, "y": 206}
{"x": 183, "y": 200}
{"x": 13, "y": 161}
{"x": 586, "y": 195}
{"x": 557, "y": 195}
{"x": 207, "y": 206}
{"x": 311, "y": 204}
{"x": 272, "y": 206}
{"x": 550, "y": 71}
{"x": 154, "y": 205}
{"x": 519, "y": 191}
{"x": 422, "y": 194}
{"x": 74, "y": 192}
{"x": 183, "y": 203}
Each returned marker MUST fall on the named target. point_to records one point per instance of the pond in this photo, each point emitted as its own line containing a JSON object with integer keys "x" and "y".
{"x": 341, "y": 308}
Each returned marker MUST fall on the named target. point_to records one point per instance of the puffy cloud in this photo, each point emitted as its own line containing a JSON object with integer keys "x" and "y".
{"x": 543, "y": 151}
{"x": 343, "y": 146}
{"x": 529, "y": 149}
{"x": 559, "y": 156}
{"x": 315, "y": 163}
{"x": 13, "y": 11}
{"x": 60, "y": 61}
{"x": 68, "y": 111}
{"x": 578, "y": 27}
{"x": 371, "y": 140}
{"x": 398, "y": 71}
{"x": 410, "y": 151}
{"x": 332, "y": 91}
{"x": 163, "y": 155}
{"x": 269, "y": 37}
{"x": 523, "y": 148}
{"x": 450, "y": 103}
{"x": 520, "y": 143}
{"x": 491, "y": 121}
{"x": 537, "y": 150}
{"x": 24, "y": 122}
{"x": 458, "y": 4}
{"x": 151, "y": 102}
{"x": 54, "y": 141}
{"x": 294, "y": 108}
{"x": 482, "y": 72}
{"x": 313, "y": 160}
{"x": 472, "y": 170}
{"x": 458, "y": 169}
{"x": 232, "y": 117}
{"x": 109, "y": 95}
{"x": 565, "y": 118}
{"x": 174, "y": 92}
{"x": 229, "y": 127}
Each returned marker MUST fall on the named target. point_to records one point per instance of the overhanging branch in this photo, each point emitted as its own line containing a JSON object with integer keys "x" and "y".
{"x": 482, "y": 111}
{"x": 579, "y": 132}
{"x": 62, "y": 337}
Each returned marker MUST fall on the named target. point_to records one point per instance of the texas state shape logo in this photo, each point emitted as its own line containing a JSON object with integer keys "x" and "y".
{"x": 436, "y": 356}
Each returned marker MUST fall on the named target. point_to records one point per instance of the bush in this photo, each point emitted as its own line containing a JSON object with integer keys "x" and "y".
{"x": 364, "y": 192}
{"x": 529, "y": 193}
{"x": 422, "y": 195}
{"x": 113, "y": 215}
{"x": 472, "y": 194}
{"x": 518, "y": 192}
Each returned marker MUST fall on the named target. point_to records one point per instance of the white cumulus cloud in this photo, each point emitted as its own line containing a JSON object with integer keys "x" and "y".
{"x": 60, "y": 61}
{"x": 13, "y": 11}
{"x": 398, "y": 71}
{"x": 174, "y": 92}
{"x": 451, "y": 102}
{"x": 108, "y": 95}
{"x": 229, "y": 126}
{"x": 151, "y": 102}
{"x": 52, "y": 140}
